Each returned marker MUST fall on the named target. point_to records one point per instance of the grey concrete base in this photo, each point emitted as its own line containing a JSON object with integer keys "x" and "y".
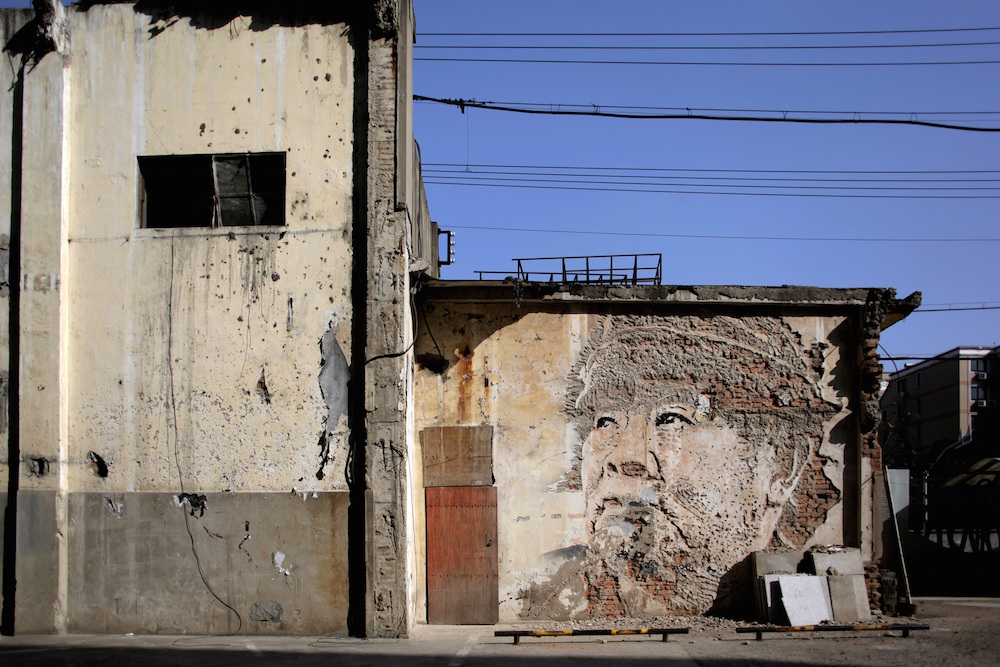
{"x": 849, "y": 598}
{"x": 37, "y": 566}
{"x": 775, "y": 562}
{"x": 147, "y": 563}
{"x": 847, "y": 561}
{"x": 805, "y": 598}
{"x": 766, "y": 565}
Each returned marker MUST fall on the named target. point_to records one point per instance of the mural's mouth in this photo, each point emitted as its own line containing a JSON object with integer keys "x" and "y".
{"x": 632, "y": 519}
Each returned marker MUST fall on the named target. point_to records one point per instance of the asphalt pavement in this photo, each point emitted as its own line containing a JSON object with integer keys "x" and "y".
{"x": 962, "y": 631}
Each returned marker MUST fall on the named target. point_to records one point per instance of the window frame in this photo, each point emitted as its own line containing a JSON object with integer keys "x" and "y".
{"x": 190, "y": 191}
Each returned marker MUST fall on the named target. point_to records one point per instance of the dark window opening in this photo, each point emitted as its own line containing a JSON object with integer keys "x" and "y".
{"x": 246, "y": 189}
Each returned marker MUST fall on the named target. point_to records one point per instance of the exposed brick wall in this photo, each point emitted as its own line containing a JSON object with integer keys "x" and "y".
{"x": 871, "y": 414}
{"x": 813, "y": 498}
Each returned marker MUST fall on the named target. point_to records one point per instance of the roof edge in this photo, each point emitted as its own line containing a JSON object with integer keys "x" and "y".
{"x": 552, "y": 293}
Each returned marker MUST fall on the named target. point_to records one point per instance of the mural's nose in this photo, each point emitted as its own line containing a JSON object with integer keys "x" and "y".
{"x": 630, "y": 455}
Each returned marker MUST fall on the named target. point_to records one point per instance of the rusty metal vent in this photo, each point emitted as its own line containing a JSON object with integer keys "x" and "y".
{"x": 644, "y": 269}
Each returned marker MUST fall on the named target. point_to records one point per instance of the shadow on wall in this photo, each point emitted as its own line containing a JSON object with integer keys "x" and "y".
{"x": 233, "y": 15}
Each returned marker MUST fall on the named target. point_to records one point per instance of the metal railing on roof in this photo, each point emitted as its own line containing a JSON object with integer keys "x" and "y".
{"x": 638, "y": 269}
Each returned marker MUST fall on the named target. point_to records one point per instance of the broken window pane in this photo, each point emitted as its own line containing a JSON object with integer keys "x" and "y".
{"x": 213, "y": 190}
{"x": 232, "y": 174}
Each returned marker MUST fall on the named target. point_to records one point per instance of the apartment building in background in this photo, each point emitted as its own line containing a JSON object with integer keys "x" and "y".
{"x": 940, "y": 403}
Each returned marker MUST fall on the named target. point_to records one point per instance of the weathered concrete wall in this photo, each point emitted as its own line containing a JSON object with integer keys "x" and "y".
{"x": 34, "y": 203}
{"x": 388, "y": 361}
{"x": 277, "y": 559}
{"x": 183, "y": 360}
{"x": 10, "y": 22}
{"x": 642, "y": 454}
{"x": 198, "y": 353}
{"x": 208, "y": 360}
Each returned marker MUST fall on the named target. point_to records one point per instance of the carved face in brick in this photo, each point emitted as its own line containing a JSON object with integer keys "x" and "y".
{"x": 696, "y": 432}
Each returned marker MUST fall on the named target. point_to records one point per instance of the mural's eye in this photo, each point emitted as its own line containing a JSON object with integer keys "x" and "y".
{"x": 671, "y": 418}
{"x": 602, "y": 422}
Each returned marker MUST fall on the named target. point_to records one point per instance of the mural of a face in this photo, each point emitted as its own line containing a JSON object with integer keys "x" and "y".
{"x": 695, "y": 435}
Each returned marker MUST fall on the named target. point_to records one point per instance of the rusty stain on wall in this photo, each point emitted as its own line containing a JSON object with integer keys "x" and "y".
{"x": 463, "y": 370}
{"x": 258, "y": 268}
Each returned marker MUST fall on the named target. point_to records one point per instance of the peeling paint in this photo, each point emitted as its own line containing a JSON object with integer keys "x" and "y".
{"x": 278, "y": 558}
{"x": 4, "y": 390}
{"x": 117, "y": 507}
{"x": 333, "y": 377}
{"x": 197, "y": 502}
{"x": 4, "y": 265}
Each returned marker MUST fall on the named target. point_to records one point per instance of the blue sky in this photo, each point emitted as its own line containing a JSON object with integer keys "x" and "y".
{"x": 962, "y": 273}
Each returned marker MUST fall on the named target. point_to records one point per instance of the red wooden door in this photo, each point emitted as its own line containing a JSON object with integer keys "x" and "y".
{"x": 462, "y": 561}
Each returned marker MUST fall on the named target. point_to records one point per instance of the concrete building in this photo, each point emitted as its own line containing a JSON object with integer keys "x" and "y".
{"x": 238, "y": 399}
{"x": 210, "y": 216}
{"x": 933, "y": 404}
{"x": 621, "y": 451}
{"x": 941, "y": 431}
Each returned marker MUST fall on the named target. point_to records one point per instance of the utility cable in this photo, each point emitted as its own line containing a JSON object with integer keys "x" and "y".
{"x": 725, "y": 171}
{"x": 755, "y": 47}
{"x": 460, "y": 178}
{"x": 177, "y": 459}
{"x": 955, "y": 310}
{"x": 474, "y": 104}
{"x": 797, "y": 33}
{"x": 704, "y": 192}
{"x": 689, "y": 109}
{"x": 475, "y": 174}
{"x": 710, "y": 63}
{"x": 724, "y": 237}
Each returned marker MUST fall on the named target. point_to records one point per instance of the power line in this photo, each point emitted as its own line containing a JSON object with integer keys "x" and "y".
{"x": 636, "y": 108}
{"x": 615, "y": 47}
{"x": 474, "y": 104}
{"x": 923, "y": 357}
{"x": 681, "y": 63}
{"x": 955, "y": 310}
{"x": 719, "y": 170}
{"x": 723, "y": 237}
{"x": 710, "y": 34}
{"x": 963, "y": 303}
{"x": 459, "y": 178}
{"x": 497, "y": 173}
{"x": 701, "y": 192}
